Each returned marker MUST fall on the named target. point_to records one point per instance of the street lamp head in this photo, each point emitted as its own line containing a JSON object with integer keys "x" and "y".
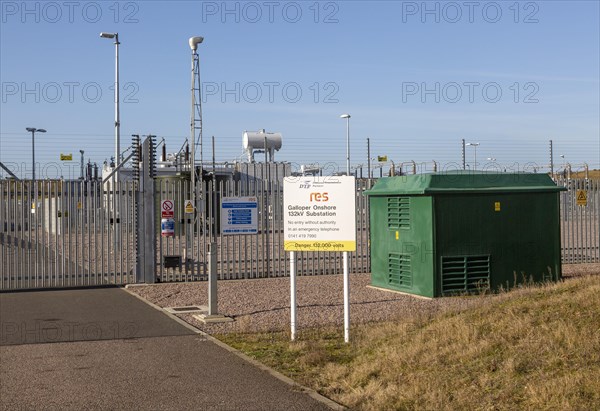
{"x": 108, "y": 35}
{"x": 35, "y": 130}
{"x": 472, "y": 144}
{"x": 194, "y": 41}
{"x": 345, "y": 116}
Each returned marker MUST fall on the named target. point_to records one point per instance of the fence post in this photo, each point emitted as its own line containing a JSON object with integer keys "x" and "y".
{"x": 146, "y": 222}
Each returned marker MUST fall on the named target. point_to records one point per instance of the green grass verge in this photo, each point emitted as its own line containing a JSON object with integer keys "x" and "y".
{"x": 532, "y": 348}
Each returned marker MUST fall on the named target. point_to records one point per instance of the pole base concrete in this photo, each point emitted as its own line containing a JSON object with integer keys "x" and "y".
{"x": 218, "y": 318}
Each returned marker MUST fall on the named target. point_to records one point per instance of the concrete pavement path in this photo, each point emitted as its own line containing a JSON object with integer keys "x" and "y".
{"x": 113, "y": 351}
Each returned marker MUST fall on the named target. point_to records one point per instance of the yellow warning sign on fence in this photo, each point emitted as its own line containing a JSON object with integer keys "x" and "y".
{"x": 189, "y": 207}
{"x": 66, "y": 157}
{"x": 581, "y": 198}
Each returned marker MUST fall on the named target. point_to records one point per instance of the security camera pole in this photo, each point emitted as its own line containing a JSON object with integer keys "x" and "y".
{"x": 194, "y": 41}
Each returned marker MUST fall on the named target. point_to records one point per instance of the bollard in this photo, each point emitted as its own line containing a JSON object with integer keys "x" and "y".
{"x": 212, "y": 316}
{"x": 213, "y": 306}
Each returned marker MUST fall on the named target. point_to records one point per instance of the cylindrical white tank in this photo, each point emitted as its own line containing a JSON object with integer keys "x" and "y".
{"x": 255, "y": 140}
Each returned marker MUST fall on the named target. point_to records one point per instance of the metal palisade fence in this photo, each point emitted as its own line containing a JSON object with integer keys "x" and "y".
{"x": 258, "y": 255}
{"x": 580, "y": 220}
{"x": 78, "y": 233}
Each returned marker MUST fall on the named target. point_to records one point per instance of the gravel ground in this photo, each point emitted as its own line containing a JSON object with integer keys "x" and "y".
{"x": 263, "y": 304}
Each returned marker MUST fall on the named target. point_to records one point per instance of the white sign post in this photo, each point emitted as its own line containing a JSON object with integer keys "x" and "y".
{"x": 319, "y": 215}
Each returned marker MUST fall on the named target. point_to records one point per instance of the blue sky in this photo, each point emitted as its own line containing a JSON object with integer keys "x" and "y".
{"x": 416, "y": 77}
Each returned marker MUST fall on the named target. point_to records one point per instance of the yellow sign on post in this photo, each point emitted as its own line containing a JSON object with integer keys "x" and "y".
{"x": 581, "y": 198}
{"x": 66, "y": 157}
{"x": 382, "y": 159}
{"x": 497, "y": 206}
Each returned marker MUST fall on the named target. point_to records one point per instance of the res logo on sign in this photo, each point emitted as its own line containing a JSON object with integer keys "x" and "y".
{"x": 319, "y": 197}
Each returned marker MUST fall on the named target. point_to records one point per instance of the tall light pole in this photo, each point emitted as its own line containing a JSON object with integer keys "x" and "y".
{"x": 474, "y": 145}
{"x": 117, "y": 115}
{"x": 347, "y": 117}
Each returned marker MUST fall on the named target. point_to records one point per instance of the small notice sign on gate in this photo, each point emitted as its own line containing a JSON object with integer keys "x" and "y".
{"x": 239, "y": 215}
{"x": 581, "y": 198}
{"x": 189, "y": 207}
{"x": 167, "y": 209}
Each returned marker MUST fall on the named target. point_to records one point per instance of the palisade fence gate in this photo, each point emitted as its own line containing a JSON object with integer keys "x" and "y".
{"x": 66, "y": 233}
{"x": 79, "y": 233}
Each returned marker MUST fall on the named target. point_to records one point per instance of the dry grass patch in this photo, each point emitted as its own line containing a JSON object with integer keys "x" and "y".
{"x": 533, "y": 348}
